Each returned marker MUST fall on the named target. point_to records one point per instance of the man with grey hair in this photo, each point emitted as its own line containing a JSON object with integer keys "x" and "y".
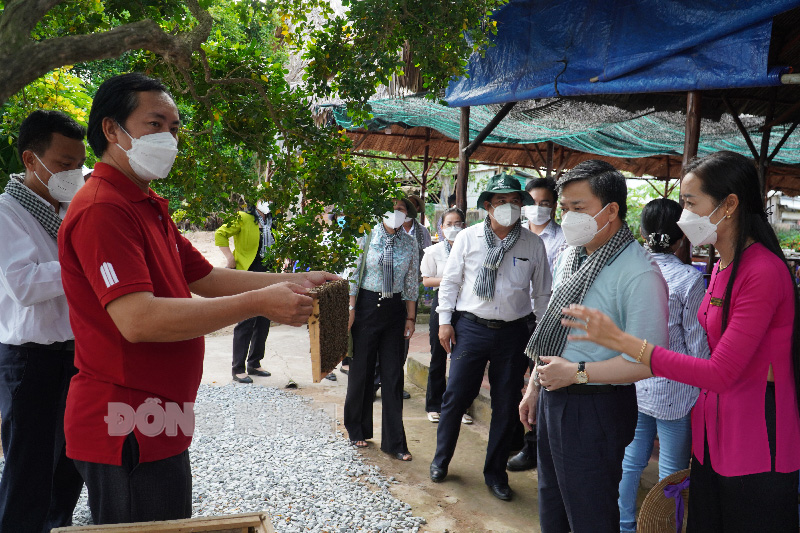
{"x": 584, "y": 424}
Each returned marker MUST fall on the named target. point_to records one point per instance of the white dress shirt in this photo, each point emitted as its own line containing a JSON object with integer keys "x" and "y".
{"x": 523, "y": 276}
{"x": 554, "y": 241}
{"x": 32, "y": 302}
{"x": 433, "y": 261}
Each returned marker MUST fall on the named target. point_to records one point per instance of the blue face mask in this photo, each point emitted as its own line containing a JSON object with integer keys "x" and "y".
{"x": 340, "y": 221}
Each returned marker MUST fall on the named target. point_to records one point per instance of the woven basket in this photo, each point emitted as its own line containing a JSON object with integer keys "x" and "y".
{"x": 657, "y": 514}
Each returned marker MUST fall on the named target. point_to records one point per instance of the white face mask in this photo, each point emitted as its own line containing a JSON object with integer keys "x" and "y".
{"x": 152, "y": 156}
{"x": 538, "y": 214}
{"x": 506, "y": 214}
{"x": 62, "y": 185}
{"x": 394, "y": 219}
{"x": 451, "y": 232}
{"x": 699, "y": 230}
{"x": 580, "y": 228}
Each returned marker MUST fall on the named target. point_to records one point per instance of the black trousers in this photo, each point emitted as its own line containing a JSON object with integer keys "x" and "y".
{"x": 40, "y": 485}
{"x": 765, "y": 502}
{"x": 477, "y": 345}
{"x": 249, "y": 342}
{"x": 138, "y": 492}
{"x": 437, "y": 382}
{"x": 582, "y": 440}
{"x": 377, "y": 333}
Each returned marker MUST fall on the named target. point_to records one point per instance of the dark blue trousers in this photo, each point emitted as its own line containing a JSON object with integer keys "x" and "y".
{"x": 477, "y": 345}
{"x": 581, "y": 443}
{"x": 40, "y": 485}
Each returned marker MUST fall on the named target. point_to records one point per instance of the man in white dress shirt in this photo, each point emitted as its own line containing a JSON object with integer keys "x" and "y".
{"x": 40, "y": 485}
{"x": 494, "y": 271}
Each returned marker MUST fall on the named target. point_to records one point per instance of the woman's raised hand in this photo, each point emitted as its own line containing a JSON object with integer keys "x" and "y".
{"x": 599, "y": 328}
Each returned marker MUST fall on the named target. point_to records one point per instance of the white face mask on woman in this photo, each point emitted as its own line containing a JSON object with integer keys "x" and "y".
{"x": 152, "y": 156}
{"x": 506, "y": 214}
{"x": 394, "y": 219}
{"x": 63, "y": 185}
{"x": 699, "y": 230}
{"x": 451, "y": 232}
{"x": 580, "y": 228}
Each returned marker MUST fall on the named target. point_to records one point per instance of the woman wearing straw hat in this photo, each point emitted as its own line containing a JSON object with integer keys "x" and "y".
{"x": 745, "y": 424}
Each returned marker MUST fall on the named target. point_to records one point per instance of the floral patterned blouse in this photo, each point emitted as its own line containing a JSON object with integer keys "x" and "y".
{"x": 406, "y": 265}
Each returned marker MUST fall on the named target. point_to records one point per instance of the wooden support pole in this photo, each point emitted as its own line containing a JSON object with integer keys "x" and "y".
{"x": 549, "y": 162}
{"x": 463, "y": 160}
{"x": 783, "y": 140}
{"x": 763, "y": 160}
{"x": 425, "y": 167}
{"x": 470, "y": 149}
{"x": 735, "y": 114}
{"x": 690, "y": 142}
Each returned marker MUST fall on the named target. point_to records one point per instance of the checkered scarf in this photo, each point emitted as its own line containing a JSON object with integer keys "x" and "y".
{"x": 550, "y": 336}
{"x": 49, "y": 220}
{"x": 387, "y": 262}
{"x": 484, "y": 285}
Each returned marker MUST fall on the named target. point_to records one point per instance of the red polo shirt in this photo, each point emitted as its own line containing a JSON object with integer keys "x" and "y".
{"x": 116, "y": 240}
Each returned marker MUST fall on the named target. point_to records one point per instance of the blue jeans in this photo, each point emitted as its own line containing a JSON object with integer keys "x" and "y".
{"x": 675, "y": 442}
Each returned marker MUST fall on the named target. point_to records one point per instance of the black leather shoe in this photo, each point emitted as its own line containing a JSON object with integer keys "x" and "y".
{"x": 501, "y": 491}
{"x": 438, "y": 474}
{"x": 257, "y": 372}
{"x": 520, "y": 462}
{"x": 246, "y": 379}
{"x": 406, "y": 395}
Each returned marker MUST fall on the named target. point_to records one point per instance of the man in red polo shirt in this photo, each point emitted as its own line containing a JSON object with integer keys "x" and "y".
{"x": 128, "y": 275}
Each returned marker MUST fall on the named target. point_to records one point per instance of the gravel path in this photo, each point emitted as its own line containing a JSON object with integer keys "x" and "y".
{"x": 261, "y": 448}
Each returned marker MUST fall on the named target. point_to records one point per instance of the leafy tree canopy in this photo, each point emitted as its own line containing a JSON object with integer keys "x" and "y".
{"x": 248, "y": 126}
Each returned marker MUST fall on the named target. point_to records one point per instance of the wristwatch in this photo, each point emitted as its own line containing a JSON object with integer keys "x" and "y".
{"x": 583, "y": 377}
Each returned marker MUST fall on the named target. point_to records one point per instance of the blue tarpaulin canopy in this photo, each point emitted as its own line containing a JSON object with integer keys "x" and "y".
{"x": 557, "y": 47}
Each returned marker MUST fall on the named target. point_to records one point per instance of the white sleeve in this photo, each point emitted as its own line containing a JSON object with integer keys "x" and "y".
{"x": 452, "y": 278}
{"x": 427, "y": 268}
{"x": 23, "y": 276}
{"x": 541, "y": 280}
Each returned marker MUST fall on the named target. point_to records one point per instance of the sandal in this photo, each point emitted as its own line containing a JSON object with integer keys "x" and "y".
{"x": 433, "y": 416}
{"x": 466, "y": 419}
{"x": 359, "y": 443}
{"x": 402, "y": 456}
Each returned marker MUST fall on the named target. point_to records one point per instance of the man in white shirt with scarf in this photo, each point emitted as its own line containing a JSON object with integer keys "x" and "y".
{"x": 40, "y": 485}
{"x": 493, "y": 272}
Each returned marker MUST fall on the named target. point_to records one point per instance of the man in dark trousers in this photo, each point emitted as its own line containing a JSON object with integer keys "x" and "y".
{"x": 40, "y": 485}
{"x": 493, "y": 272}
{"x": 129, "y": 275}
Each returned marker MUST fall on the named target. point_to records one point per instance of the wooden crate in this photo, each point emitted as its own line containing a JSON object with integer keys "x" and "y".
{"x": 239, "y": 523}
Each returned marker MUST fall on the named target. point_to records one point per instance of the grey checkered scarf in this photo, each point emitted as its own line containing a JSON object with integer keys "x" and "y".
{"x": 387, "y": 262}
{"x": 484, "y": 285}
{"x": 550, "y": 336}
{"x": 49, "y": 220}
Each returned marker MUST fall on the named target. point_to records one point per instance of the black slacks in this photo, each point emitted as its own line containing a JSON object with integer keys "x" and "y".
{"x": 249, "y": 343}
{"x": 764, "y": 502}
{"x": 40, "y": 485}
{"x": 437, "y": 382}
{"x": 477, "y": 345}
{"x": 377, "y": 332}
{"x": 582, "y": 440}
{"x": 138, "y": 492}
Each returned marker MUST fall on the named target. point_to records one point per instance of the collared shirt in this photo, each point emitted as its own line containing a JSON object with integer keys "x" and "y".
{"x": 554, "y": 242}
{"x": 406, "y": 266}
{"x": 522, "y": 276}
{"x": 117, "y": 240}
{"x": 425, "y": 234}
{"x": 32, "y": 301}
{"x": 632, "y": 292}
{"x": 434, "y": 261}
{"x": 660, "y": 397}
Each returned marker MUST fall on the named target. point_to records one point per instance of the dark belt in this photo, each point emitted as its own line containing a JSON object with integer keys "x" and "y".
{"x": 491, "y": 324}
{"x": 66, "y": 346}
{"x": 590, "y": 389}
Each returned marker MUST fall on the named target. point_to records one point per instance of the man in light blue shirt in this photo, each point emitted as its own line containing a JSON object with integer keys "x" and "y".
{"x": 583, "y": 428}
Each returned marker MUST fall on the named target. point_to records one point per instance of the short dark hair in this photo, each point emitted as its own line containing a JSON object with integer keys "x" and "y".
{"x": 451, "y": 200}
{"x": 117, "y": 98}
{"x": 659, "y": 224}
{"x": 36, "y": 131}
{"x": 606, "y": 182}
{"x": 543, "y": 183}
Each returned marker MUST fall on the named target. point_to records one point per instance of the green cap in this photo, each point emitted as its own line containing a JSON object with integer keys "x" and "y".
{"x": 503, "y": 183}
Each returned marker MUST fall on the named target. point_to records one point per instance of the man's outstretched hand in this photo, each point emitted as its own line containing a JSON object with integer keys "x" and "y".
{"x": 285, "y": 303}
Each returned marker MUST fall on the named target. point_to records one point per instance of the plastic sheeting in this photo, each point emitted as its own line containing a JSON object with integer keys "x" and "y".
{"x": 554, "y": 48}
